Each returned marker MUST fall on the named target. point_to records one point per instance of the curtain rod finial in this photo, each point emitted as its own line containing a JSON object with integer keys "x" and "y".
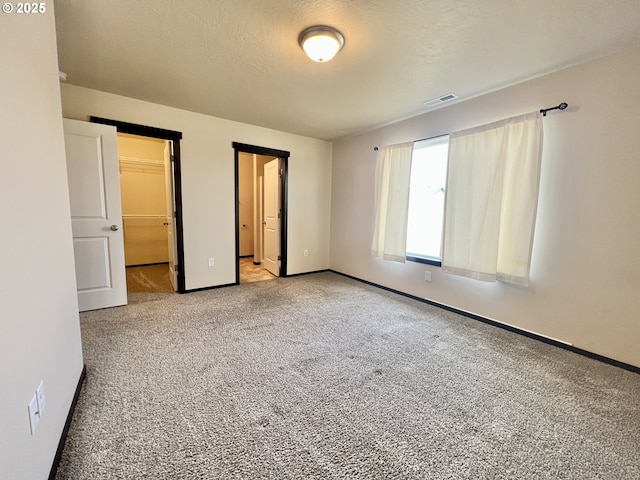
{"x": 562, "y": 106}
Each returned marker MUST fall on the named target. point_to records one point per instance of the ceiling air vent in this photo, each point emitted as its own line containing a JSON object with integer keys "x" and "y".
{"x": 437, "y": 101}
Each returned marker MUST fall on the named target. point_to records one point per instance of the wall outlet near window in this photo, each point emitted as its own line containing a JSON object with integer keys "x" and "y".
{"x": 211, "y": 262}
{"x": 427, "y": 276}
{"x": 305, "y": 252}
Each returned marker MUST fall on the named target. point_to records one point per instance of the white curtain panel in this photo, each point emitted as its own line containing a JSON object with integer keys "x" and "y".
{"x": 491, "y": 200}
{"x": 393, "y": 172}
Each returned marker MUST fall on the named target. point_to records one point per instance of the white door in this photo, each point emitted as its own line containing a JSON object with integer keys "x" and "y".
{"x": 272, "y": 216}
{"x": 96, "y": 214}
{"x": 170, "y": 221}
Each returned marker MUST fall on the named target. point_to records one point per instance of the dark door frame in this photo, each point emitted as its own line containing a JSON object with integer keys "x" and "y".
{"x": 175, "y": 137}
{"x": 268, "y": 152}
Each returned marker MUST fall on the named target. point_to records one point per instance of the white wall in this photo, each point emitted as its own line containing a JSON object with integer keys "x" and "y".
{"x": 586, "y": 259}
{"x": 208, "y": 190}
{"x": 39, "y": 327}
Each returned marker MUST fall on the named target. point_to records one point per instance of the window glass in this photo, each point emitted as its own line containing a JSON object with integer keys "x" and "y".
{"x": 426, "y": 198}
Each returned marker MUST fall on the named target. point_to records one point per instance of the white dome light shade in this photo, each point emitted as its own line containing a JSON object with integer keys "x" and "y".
{"x": 321, "y": 43}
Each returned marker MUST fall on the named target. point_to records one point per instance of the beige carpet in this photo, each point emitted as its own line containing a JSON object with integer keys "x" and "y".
{"x": 323, "y": 377}
{"x": 149, "y": 279}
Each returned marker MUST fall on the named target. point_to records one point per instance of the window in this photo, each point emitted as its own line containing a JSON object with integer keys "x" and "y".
{"x": 426, "y": 200}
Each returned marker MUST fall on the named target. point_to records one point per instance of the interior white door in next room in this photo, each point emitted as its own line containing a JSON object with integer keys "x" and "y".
{"x": 272, "y": 214}
{"x": 96, "y": 214}
{"x": 170, "y": 221}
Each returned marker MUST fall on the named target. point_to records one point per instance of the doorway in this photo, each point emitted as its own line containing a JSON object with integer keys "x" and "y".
{"x": 152, "y": 205}
{"x": 261, "y": 212}
{"x": 146, "y": 189}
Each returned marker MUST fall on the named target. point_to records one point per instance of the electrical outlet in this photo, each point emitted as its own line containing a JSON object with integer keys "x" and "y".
{"x": 305, "y": 253}
{"x": 211, "y": 262}
{"x": 427, "y": 276}
{"x": 42, "y": 399}
{"x": 34, "y": 414}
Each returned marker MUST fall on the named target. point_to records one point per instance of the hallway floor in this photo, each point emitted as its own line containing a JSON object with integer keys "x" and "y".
{"x": 155, "y": 278}
{"x": 253, "y": 273}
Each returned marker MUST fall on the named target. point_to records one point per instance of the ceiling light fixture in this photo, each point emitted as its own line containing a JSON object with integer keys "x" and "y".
{"x": 321, "y": 43}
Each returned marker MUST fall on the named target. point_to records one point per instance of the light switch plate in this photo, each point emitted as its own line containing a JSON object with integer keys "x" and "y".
{"x": 42, "y": 399}
{"x": 34, "y": 415}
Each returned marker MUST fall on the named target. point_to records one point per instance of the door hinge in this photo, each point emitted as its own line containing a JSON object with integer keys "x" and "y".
{"x": 176, "y": 268}
{"x": 173, "y": 158}
{"x": 279, "y": 214}
{"x": 279, "y": 257}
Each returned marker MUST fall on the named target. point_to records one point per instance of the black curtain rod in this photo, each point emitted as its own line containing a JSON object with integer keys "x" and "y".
{"x": 543, "y": 111}
{"x": 562, "y": 106}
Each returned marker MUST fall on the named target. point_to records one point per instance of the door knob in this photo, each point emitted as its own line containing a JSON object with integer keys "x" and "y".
{"x": 114, "y": 228}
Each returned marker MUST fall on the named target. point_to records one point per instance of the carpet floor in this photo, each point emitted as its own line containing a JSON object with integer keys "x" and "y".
{"x": 149, "y": 279}
{"x": 323, "y": 377}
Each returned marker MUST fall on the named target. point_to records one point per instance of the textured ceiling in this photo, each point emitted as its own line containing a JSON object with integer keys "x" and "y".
{"x": 240, "y": 60}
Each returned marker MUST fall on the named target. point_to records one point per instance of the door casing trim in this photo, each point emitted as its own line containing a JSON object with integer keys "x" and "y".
{"x": 269, "y": 152}
{"x": 175, "y": 137}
